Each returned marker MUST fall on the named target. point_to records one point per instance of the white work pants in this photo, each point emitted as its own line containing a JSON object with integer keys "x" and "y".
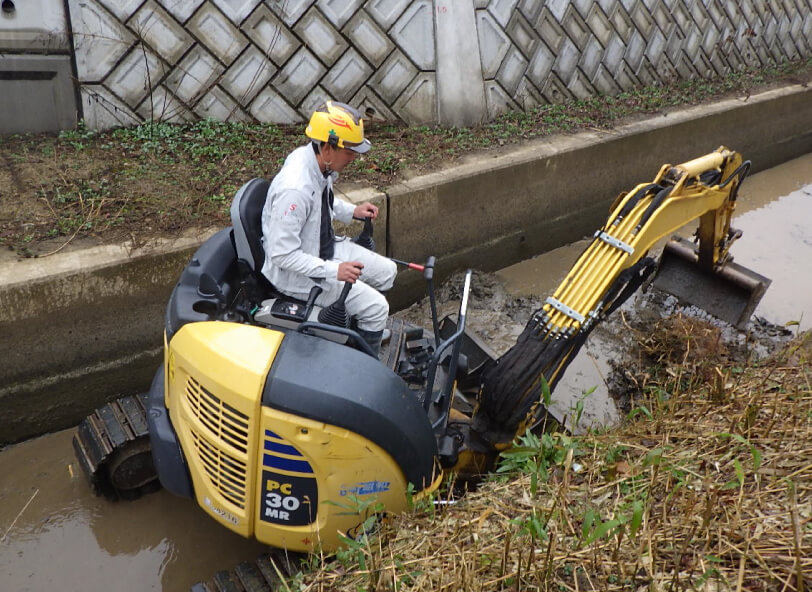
{"x": 364, "y": 301}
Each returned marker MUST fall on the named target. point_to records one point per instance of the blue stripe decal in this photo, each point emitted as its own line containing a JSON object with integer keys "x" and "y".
{"x": 286, "y": 464}
{"x": 281, "y": 448}
{"x": 270, "y": 434}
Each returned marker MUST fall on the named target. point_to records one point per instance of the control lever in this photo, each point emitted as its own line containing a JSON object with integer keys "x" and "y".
{"x": 336, "y": 313}
{"x": 311, "y": 300}
{"x": 365, "y": 238}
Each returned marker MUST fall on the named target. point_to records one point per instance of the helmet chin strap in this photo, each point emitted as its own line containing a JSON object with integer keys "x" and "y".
{"x": 328, "y": 164}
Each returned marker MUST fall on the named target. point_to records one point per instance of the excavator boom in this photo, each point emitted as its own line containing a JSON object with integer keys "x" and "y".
{"x": 612, "y": 267}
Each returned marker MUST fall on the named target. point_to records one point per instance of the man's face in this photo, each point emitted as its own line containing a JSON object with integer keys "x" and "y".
{"x": 340, "y": 157}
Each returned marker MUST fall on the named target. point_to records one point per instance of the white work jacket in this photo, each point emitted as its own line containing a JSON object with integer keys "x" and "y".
{"x": 291, "y": 224}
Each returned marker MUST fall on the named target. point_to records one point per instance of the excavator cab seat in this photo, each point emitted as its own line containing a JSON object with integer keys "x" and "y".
{"x": 246, "y": 220}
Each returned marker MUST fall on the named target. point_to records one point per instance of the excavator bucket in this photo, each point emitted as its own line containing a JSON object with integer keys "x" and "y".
{"x": 730, "y": 293}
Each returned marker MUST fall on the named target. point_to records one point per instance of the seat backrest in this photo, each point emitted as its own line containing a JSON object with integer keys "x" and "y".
{"x": 246, "y": 218}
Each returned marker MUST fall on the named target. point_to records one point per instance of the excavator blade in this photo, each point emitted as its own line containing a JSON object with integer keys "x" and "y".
{"x": 730, "y": 293}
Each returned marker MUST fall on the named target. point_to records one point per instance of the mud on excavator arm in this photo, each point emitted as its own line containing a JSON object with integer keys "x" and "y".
{"x": 611, "y": 268}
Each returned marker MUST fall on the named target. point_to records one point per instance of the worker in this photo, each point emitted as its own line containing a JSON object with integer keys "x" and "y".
{"x": 301, "y": 248}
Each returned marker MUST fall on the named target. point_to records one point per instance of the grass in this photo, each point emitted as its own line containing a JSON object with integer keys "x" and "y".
{"x": 159, "y": 178}
{"x": 710, "y": 489}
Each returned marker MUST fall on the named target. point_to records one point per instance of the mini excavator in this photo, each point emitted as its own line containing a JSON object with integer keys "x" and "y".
{"x": 273, "y": 416}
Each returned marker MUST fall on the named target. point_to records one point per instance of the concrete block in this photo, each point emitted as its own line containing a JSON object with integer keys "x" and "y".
{"x": 321, "y": 37}
{"x": 580, "y": 86}
{"x": 557, "y": 8}
{"x": 540, "y": 65}
{"x": 599, "y": 24}
{"x": 622, "y": 23}
{"x": 132, "y": 76}
{"x": 102, "y": 110}
{"x": 530, "y": 9}
{"x": 235, "y": 10}
{"x": 217, "y": 33}
{"x": 393, "y": 76}
{"x": 315, "y": 98}
{"x": 368, "y": 38}
{"x": 576, "y": 27}
{"x": 567, "y": 60}
{"x": 604, "y": 82}
{"x": 613, "y": 55}
{"x": 591, "y": 57}
{"x": 122, "y": 9}
{"x": 501, "y": 10}
{"x": 414, "y": 34}
{"x": 386, "y": 12}
{"x": 512, "y": 70}
{"x": 195, "y": 73}
{"x": 635, "y": 50}
{"x": 418, "y": 103}
{"x": 550, "y": 31}
{"x": 302, "y": 72}
{"x": 248, "y": 75}
{"x": 181, "y": 9}
{"x": 216, "y": 104}
{"x": 270, "y": 35}
{"x": 656, "y": 46}
{"x": 554, "y": 90}
{"x": 338, "y": 12}
{"x": 290, "y": 11}
{"x": 691, "y": 45}
{"x": 660, "y": 12}
{"x": 270, "y": 107}
{"x": 162, "y": 32}
{"x": 367, "y": 97}
{"x": 522, "y": 34}
{"x": 527, "y": 96}
{"x": 493, "y": 44}
{"x": 673, "y": 44}
{"x": 710, "y": 39}
{"x": 99, "y": 40}
{"x": 347, "y": 75}
{"x": 642, "y": 20}
{"x": 30, "y": 27}
{"x": 498, "y": 100}
{"x": 162, "y": 105}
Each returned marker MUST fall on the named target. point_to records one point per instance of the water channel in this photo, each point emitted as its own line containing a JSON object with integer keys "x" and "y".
{"x": 54, "y": 535}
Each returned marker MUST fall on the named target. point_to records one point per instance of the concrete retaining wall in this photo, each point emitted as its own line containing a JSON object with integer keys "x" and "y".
{"x": 83, "y": 327}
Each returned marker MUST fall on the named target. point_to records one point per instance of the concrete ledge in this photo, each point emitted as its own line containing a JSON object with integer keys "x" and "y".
{"x": 83, "y": 327}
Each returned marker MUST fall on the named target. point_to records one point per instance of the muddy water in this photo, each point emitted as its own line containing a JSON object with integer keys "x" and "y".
{"x": 57, "y": 536}
{"x": 54, "y": 535}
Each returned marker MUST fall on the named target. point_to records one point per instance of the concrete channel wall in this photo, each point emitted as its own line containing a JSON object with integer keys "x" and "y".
{"x": 83, "y": 327}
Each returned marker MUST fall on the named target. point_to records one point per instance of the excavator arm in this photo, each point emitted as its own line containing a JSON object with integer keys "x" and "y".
{"x": 613, "y": 266}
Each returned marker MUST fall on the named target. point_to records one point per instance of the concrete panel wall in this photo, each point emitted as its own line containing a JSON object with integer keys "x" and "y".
{"x": 80, "y": 328}
{"x": 459, "y": 62}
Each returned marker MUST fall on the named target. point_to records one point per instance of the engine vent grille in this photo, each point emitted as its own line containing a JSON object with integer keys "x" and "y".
{"x": 222, "y": 443}
{"x": 228, "y": 475}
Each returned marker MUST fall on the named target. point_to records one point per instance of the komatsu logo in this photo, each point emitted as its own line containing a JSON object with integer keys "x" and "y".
{"x": 365, "y": 488}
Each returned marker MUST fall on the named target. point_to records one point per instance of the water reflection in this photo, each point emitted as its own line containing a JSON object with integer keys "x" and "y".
{"x": 67, "y": 539}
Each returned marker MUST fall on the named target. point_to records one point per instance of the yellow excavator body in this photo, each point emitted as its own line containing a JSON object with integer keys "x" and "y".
{"x": 288, "y": 480}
